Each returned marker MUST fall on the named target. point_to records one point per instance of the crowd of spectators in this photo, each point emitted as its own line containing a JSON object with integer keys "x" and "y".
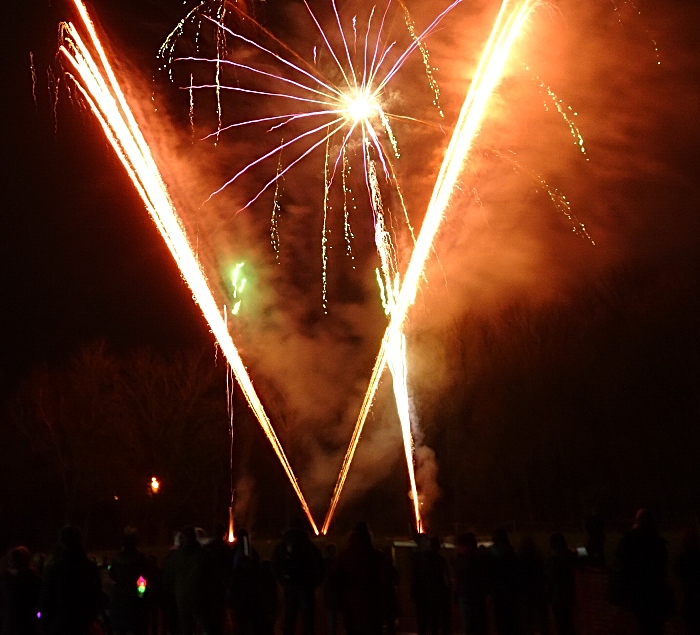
{"x": 209, "y": 586}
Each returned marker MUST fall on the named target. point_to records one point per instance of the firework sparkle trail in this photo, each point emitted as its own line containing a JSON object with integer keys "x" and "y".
{"x": 511, "y": 18}
{"x": 102, "y": 92}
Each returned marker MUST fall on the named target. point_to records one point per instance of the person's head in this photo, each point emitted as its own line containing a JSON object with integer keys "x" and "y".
{"x": 527, "y": 545}
{"x": 466, "y": 542}
{"x": 188, "y": 538}
{"x": 557, "y": 542}
{"x": 422, "y": 542}
{"x": 645, "y": 520}
{"x": 241, "y": 534}
{"x": 362, "y": 530}
{"x": 70, "y": 537}
{"x": 19, "y": 559}
{"x": 220, "y": 531}
{"x": 130, "y": 538}
{"x": 298, "y": 524}
{"x": 500, "y": 537}
{"x": 361, "y": 535}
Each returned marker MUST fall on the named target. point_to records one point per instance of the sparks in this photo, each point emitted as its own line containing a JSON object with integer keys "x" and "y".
{"x": 93, "y": 76}
{"x": 238, "y": 282}
{"x": 231, "y": 536}
{"x": 398, "y": 367}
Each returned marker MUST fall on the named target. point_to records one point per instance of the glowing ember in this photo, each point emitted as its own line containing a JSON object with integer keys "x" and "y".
{"x": 231, "y": 537}
{"x": 155, "y": 485}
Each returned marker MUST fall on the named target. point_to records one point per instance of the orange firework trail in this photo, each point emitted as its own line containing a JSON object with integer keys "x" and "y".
{"x": 509, "y": 25}
{"x": 95, "y": 79}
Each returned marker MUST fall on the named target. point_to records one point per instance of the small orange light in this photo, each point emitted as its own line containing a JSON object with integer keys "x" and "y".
{"x": 231, "y": 532}
{"x": 155, "y": 485}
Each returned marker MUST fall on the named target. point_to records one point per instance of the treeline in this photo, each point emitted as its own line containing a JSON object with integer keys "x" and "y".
{"x": 591, "y": 401}
{"x": 83, "y": 439}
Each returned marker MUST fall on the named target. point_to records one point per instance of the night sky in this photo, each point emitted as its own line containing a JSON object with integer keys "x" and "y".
{"x": 80, "y": 259}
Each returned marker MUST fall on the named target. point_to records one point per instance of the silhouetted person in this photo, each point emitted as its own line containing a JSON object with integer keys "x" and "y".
{"x": 503, "y": 582}
{"x": 171, "y": 621}
{"x": 19, "y": 595}
{"x": 391, "y": 602}
{"x": 298, "y": 565}
{"x": 362, "y": 579}
{"x": 70, "y": 592}
{"x": 643, "y": 563}
{"x": 331, "y": 602}
{"x": 244, "y": 598}
{"x": 418, "y": 595}
{"x": 129, "y": 609}
{"x": 561, "y": 584}
{"x": 218, "y": 552}
{"x": 471, "y": 585}
{"x": 687, "y": 568}
{"x": 595, "y": 546}
{"x": 192, "y": 584}
{"x": 431, "y": 587}
{"x": 268, "y": 601}
{"x": 533, "y": 591}
{"x": 155, "y": 595}
{"x": 104, "y": 620}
